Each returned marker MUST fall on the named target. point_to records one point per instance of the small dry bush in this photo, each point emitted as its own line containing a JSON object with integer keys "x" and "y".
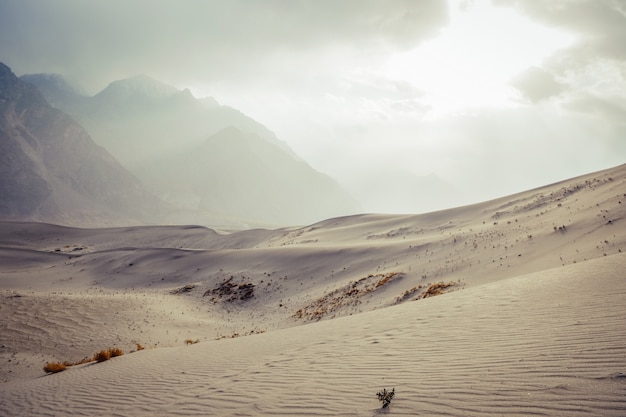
{"x": 106, "y": 354}
{"x": 191, "y": 342}
{"x": 54, "y": 367}
{"x": 103, "y": 355}
{"x": 116, "y": 352}
{"x": 385, "y": 396}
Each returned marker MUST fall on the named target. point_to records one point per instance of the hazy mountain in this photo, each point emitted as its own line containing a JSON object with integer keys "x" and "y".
{"x": 56, "y": 90}
{"x": 251, "y": 178}
{"x": 202, "y": 155}
{"x": 51, "y": 170}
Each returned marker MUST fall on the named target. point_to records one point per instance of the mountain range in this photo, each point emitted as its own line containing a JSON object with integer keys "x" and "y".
{"x": 210, "y": 162}
{"x": 51, "y": 170}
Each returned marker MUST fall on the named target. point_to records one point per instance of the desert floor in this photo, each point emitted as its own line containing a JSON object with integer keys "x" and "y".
{"x": 510, "y": 307}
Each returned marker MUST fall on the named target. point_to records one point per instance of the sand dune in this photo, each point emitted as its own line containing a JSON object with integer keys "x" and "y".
{"x": 513, "y": 347}
{"x": 532, "y": 322}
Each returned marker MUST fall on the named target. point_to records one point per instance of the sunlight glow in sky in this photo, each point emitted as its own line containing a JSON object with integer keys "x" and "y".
{"x": 411, "y": 105}
{"x": 472, "y": 61}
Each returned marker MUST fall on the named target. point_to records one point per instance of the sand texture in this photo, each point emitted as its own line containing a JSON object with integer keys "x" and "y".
{"x": 510, "y": 307}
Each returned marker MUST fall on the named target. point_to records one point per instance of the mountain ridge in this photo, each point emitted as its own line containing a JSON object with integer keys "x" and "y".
{"x": 52, "y": 170}
{"x": 143, "y": 122}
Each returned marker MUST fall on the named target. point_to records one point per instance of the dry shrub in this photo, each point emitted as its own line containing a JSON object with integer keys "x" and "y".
{"x": 116, "y": 352}
{"x": 191, "y": 342}
{"x": 103, "y": 355}
{"x": 139, "y": 346}
{"x": 385, "y": 396}
{"x": 106, "y": 354}
{"x": 54, "y": 367}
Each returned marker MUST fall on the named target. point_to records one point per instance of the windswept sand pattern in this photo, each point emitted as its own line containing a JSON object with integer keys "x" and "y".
{"x": 515, "y": 347}
{"x": 38, "y": 328}
{"x": 533, "y": 321}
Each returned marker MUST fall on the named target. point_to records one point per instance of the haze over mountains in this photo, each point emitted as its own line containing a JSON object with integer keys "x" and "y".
{"x": 212, "y": 163}
{"x": 51, "y": 170}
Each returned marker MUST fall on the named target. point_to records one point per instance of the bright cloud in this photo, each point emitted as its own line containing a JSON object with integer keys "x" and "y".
{"x": 471, "y": 63}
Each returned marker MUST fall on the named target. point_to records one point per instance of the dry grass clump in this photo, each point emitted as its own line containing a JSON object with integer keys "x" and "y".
{"x": 409, "y": 294}
{"x": 103, "y": 355}
{"x": 54, "y": 367}
{"x": 116, "y": 352}
{"x": 106, "y": 354}
{"x": 191, "y": 341}
{"x": 437, "y": 288}
{"x": 419, "y": 293}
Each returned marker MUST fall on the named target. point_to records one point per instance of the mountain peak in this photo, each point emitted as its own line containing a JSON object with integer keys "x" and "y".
{"x": 50, "y": 80}
{"x": 55, "y": 88}
{"x": 139, "y": 85}
{"x": 5, "y": 70}
{"x": 6, "y": 75}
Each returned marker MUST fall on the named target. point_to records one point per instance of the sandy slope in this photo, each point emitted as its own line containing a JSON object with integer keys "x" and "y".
{"x": 534, "y": 323}
{"x": 544, "y": 344}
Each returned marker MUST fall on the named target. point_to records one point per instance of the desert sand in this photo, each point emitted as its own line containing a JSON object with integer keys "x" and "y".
{"x": 513, "y": 307}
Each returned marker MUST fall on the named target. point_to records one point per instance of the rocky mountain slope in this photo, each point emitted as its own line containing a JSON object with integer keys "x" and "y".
{"x": 200, "y": 155}
{"x": 51, "y": 170}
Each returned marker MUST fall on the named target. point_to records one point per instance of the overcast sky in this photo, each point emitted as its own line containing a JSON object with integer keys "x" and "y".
{"x": 492, "y": 97}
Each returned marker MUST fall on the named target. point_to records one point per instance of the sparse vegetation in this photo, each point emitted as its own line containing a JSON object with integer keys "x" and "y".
{"x": 347, "y": 295}
{"x": 54, "y": 367}
{"x": 385, "y": 396}
{"x": 409, "y": 294}
{"x": 419, "y": 293}
{"x": 437, "y": 288}
{"x": 116, "y": 352}
{"x": 235, "y": 335}
{"x": 191, "y": 341}
{"x": 106, "y": 354}
{"x": 101, "y": 356}
{"x": 231, "y": 291}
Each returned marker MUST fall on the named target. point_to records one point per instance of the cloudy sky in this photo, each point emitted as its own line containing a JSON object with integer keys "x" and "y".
{"x": 413, "y": 105}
